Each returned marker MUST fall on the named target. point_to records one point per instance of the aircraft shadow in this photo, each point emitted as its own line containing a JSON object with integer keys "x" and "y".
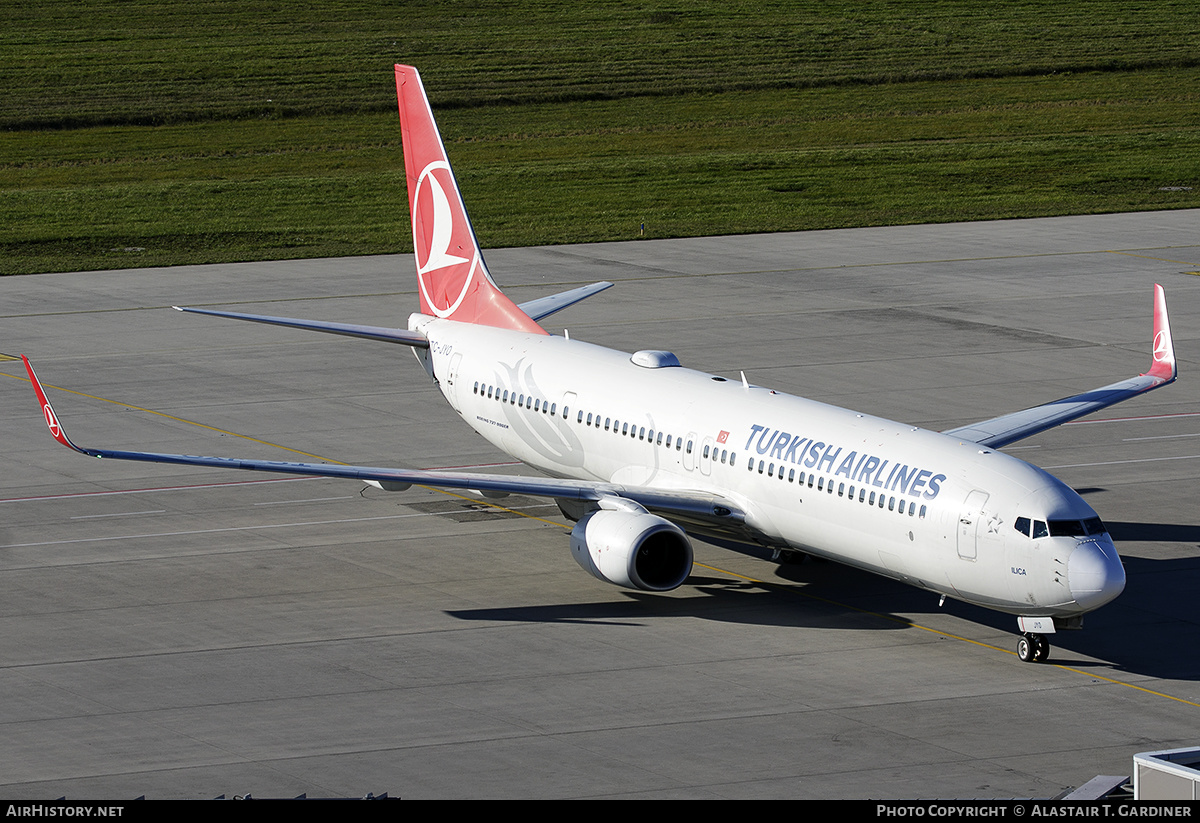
{"x": 1150, "y": 630}
{"x": 1124, "y": 532}
{"x": 719, "y": 599}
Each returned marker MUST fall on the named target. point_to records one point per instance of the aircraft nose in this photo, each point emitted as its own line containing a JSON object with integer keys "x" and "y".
{"x": 1095, "y": 574}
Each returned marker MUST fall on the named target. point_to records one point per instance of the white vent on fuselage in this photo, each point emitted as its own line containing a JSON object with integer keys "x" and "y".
{"x": 651, "y": 359}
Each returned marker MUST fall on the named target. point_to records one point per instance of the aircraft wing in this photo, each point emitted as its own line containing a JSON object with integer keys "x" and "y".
{"x": 695, "y": 506}
{"x": 1009, "y": 428}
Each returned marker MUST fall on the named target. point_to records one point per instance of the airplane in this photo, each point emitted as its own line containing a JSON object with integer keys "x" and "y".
{"x": 640, "y": 451}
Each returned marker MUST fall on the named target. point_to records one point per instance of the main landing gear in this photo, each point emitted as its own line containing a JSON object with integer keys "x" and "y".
{"x": 1033, "y": 648}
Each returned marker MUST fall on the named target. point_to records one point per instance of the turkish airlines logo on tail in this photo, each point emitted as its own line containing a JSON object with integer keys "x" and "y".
{"x": 441, "y": 235}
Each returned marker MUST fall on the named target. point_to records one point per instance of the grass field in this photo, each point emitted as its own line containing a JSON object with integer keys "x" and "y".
{"x": 137, "y": 134}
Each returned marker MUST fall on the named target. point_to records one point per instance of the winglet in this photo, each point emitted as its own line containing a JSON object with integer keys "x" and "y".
{"x": 55, "y": 427}
{"x": 1163, "y": 366}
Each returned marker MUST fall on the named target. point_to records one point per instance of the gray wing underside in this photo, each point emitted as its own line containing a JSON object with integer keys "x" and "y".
{"x": 1009, "y": 428}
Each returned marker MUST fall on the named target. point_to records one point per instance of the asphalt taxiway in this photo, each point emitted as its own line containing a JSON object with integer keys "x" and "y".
{"x": 176, "y": 632}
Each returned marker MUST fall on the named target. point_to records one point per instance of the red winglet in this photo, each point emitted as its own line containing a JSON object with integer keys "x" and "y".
{"x": 48, "y": 410}
{"x": 1163, "y": 367}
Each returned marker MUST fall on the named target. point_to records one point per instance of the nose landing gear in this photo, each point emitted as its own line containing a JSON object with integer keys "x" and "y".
{"x": 1033, "y": 648}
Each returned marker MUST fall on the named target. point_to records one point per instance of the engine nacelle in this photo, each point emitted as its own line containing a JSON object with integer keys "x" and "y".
{"x": 636, "y": 550}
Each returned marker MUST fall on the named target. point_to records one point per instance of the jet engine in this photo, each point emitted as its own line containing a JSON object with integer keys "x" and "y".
{"x": 634, "y": 549}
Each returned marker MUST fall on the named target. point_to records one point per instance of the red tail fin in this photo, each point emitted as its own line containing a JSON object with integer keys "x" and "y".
{"x": 453, "y": 280}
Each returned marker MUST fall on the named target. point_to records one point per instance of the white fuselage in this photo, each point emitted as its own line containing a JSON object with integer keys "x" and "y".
{"x": 897, "y": 500}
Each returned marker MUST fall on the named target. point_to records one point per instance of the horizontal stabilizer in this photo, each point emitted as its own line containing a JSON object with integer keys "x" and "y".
{"x": 546, "y": 306}
{"x": 1009, "y": 428}
{"x": 401, "y": 336}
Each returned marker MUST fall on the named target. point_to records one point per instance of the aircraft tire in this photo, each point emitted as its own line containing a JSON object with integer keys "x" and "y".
{"x": 1041, "y": 648}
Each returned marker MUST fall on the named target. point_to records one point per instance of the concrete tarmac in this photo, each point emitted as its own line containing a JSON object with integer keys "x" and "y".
{"x": 187, "y": 633}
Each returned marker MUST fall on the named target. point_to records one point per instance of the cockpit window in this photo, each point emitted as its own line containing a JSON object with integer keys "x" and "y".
{"x": 1060, "y": 528}
{"x": 1077, "y": 528}
{"x": 1067, "y": 528}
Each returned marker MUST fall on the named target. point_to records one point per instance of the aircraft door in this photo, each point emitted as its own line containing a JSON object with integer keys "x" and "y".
{"x": 450, "y": 384}
{"x": 706, "y": 455}
{"x": 969, "y": 520}
{"x": 689, "y": 451}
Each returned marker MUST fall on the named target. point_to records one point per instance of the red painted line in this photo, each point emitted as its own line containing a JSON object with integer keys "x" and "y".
{"x": 156, "y": 489}
{"x": 216, "y": 485}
